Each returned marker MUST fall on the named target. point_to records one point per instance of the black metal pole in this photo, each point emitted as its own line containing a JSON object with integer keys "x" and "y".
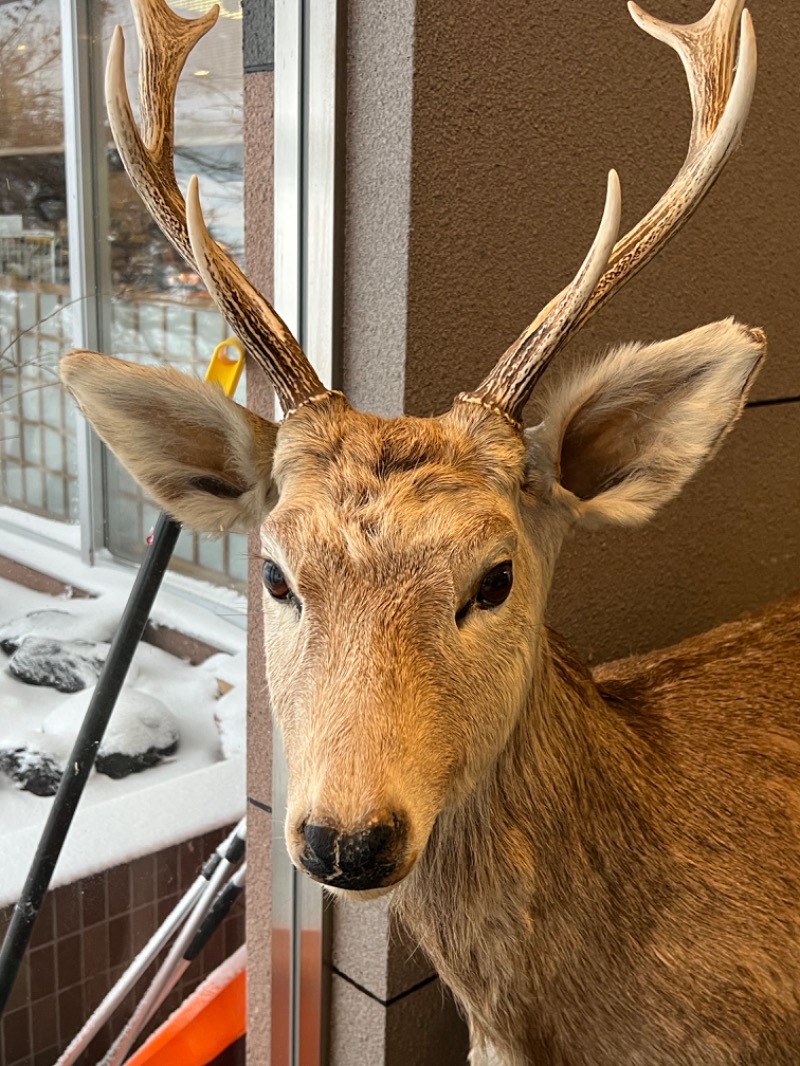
{"x": 81, "y": 761}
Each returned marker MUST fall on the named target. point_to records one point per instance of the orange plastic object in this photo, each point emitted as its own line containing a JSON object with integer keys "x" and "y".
{"x": 207, "y": 1022}
{"x": 226, "y": 366}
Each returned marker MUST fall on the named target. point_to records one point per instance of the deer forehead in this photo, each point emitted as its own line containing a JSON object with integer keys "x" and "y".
{"x": 393, "y": 493}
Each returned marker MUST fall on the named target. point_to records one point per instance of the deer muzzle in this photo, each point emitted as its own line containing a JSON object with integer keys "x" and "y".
{"x": 369, "y": 856}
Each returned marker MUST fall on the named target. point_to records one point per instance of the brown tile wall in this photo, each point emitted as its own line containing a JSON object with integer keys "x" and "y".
{"x": 86, "y": 935}
{"x": 387, "y": 1004}
{"x": 416, "y": 1028}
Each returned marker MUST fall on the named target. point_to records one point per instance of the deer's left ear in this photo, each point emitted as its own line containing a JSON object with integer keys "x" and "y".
{"x": 204, "y": 459}
{"x": 621, "y": 437}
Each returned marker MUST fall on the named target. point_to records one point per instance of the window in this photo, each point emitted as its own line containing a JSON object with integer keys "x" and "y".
{"x": 37, "y": 433}
{"x": 143, "y": 302}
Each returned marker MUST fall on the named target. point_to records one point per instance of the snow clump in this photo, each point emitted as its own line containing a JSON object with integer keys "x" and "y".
{"x": 67, "y": 666}
{"x": 34, "y": 762}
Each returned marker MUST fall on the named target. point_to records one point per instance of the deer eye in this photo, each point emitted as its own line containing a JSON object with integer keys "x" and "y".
{"x": 495, "y": 585}
{"x": 274, "y": 581}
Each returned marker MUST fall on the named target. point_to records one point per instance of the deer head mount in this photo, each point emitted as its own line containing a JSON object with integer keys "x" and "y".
{"x": 407, "y": 561}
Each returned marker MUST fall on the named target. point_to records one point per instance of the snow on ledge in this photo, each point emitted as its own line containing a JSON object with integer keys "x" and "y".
{"x": 118, "y": 831}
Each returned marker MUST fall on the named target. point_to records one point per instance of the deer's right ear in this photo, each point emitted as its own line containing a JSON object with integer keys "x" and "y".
{"x": 204, "y": 459}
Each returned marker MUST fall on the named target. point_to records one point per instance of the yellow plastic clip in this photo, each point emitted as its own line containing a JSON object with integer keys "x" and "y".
{"x": 227, "y": 364}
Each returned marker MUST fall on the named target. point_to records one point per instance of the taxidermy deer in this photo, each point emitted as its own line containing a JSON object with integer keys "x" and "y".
{"x": 603, "y": 867}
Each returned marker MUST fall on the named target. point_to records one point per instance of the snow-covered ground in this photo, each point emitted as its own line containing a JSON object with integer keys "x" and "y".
{"x": 199, "y": 788}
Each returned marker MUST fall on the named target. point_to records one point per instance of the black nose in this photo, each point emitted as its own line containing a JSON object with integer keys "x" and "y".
{"x": 365, "y": 858}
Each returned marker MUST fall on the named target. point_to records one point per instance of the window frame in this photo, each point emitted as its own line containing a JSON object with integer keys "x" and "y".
{"x": 309, "y": 104}
{"x": 87, "y": 209}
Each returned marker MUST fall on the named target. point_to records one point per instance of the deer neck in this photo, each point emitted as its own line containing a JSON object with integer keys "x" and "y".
{"x": 521, "y": 884}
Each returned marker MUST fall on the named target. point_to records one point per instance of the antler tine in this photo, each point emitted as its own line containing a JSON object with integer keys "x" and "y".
{"x": 720, "y": 103}
{"x": 519, "y": 369}
{"x": 291, "y": 374}
{"x": 166, "y": 39}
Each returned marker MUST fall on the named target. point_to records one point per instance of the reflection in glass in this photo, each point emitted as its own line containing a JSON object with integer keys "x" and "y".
{"x": 160, "y": 311}
{"x": 37, "y": 449}
{"x": 156, "y": 309}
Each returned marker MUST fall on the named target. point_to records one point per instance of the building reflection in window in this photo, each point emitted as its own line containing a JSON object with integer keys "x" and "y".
{"x": 156, "y": 307}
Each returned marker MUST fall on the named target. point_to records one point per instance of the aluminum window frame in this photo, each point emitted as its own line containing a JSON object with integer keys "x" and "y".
{"x": 87, "y": 210}
{"x": 309, "y": 95}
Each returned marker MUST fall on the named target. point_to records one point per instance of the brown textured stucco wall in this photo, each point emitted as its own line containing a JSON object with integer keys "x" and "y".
{"x": 519, "y": 111}
{"x": 258, "y": 248}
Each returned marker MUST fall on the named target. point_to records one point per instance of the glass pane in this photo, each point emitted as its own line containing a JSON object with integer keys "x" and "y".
{"x": 159, "y": 310}
{"x": 37, "y": 465}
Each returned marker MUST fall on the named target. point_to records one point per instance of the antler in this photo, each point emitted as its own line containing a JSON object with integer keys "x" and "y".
{"x": 720, "y": 103}
{"x": 165, "y": 41}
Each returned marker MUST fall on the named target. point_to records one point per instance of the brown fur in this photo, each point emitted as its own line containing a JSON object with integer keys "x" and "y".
{"x": 625, "y": 886}
{"x": 604, "y": 868}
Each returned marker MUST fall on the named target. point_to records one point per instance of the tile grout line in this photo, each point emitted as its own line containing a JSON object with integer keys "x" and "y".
{"x": 394, "y": 999}
{"x": 773, "y": 402}
{"x": 414, "y": 988}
